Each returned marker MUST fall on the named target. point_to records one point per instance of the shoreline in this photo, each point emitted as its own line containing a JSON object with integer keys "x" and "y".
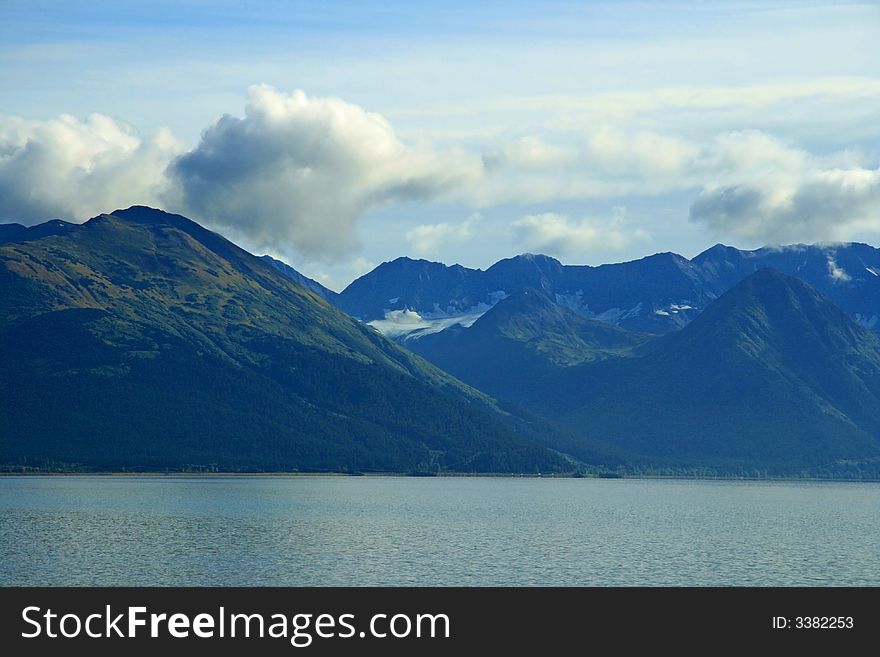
{"x": 445, "y": 475}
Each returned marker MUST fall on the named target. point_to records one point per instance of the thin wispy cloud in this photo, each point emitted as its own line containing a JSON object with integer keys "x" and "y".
{"x": 561, "y": 235}
{"x": 431, "y": 239}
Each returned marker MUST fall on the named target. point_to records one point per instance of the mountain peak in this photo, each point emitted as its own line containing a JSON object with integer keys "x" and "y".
{"x": 716, "y": 251}
{"x": 201, "y": 353}
{"x": 527, "y": 313}
{"x": 531, "y": 314}
{"x": 147, "y": 215}
{"x": 765, "y": 286}
{"x": 529, "y": 259}
{"x": 771, "y": 373}
{"x": 535, "y": 257}
{"x": 527, "y": 305}
{"x": 772, "y": 313}
{"x": 405, "y": 263}
{"x": 665, "y": 257}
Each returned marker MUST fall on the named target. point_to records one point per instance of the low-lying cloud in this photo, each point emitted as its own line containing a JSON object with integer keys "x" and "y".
{"x": 812, "y": 205}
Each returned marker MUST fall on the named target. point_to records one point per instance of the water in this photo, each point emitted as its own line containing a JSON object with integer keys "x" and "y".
{"x": 304, "y": 531}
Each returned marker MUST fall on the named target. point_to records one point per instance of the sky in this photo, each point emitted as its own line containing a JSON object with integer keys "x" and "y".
{"x": 338, "y": 135}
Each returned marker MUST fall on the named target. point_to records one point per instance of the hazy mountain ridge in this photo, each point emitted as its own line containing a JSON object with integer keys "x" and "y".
{"x": 656, "y": 294}
{"x": 305, "y": 281}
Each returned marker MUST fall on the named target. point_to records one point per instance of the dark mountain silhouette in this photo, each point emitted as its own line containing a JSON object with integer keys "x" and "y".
{"x": 142, "y": 340}
{"x": 771, "y": 375}
{"x": 19, "y": 233}
{"x": 522, "y": 338}
{"x": 656, "y": 294}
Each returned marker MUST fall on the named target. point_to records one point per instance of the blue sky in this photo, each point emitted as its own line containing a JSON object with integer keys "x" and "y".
{"x": 355, "y": 132}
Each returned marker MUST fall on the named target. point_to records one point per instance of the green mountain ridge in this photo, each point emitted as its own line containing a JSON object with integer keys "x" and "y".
{"x": 142, "y": 340}
{"x": 771, "y": 375}
{"x": 523, "y": 338}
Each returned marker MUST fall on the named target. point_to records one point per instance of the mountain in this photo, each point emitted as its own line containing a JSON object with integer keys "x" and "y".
{"x": 656, "y": 294}
{"x": 848, "y": 274}
{"x": 140, "y": 340}
{"x": 521, "y": 339}
{"x": 429, "y": 287}
{"x": 306, "y": 282}
{"x": 19, "y": 233}
{"x": 407, "y": 299}
{"x": 772, "y": 375}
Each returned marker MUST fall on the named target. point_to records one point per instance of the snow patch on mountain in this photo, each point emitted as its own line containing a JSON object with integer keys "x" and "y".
{"x": 575, "y": 301}
{"x": 403, "y": 325}
{"x": 836, "y": 273}
{"x": 673, "y": 309}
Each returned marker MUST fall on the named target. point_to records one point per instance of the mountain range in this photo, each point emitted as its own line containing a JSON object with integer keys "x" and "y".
{"x": 771, "y": 375}
{"x": 140, "y": 340}
{"x": 406, "y": 299}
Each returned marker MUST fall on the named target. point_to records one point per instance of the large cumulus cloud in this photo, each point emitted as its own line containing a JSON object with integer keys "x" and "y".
{"x": 295, "y": 174}
{"x": 300, "y": 171}
{"x": 74, "y": 169}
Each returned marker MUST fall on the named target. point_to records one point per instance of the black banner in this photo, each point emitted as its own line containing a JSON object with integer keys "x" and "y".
{"x": 431, "y": 621}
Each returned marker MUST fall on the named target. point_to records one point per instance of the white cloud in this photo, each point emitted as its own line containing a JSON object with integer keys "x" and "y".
{"x": 529, "y": 152}
{"x": 604, "y": 106}
{"x": 295, "y": 173}
{"x": 607, "y": 162}
{"x": 336, "y": 275}
{"x": 429, "y": 239}
{"x": 73, "y": 169}
{"x": 641, "y": 153}
{"x": 601, "y": 163}
{"x": 301, "y": 171}
{"x": 360, "y": 266}
{"x": 835, "y": 272}
{"x": 557, "y": 234}
{"x": 752, "y": 154}
{"x": 764, "y": 190}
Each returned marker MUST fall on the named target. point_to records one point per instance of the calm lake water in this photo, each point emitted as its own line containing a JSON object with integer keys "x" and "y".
{"x": 303, "y": 531}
